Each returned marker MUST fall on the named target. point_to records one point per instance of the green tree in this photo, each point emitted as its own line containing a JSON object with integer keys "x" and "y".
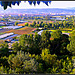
{"x": 59, "y": 44}
{"x": 64, "y": 23}
{"x": 56, "y": 34}
{"x": 49, "y": 59}
{"x": 22, "y": 63}
{"x": 16, "y": 23}
{"x": 26, "y": 24}
{"x": 16, "y": 46}
{"x": 66, "y": 66}
{"x": 36, "y": 47}
{"x": 4, "y": 51}
{"x": 71, "y": 46}
{"x": 37, "y": 22}
{"x": 45, "y": 39}
{"x": 34, "y": 23}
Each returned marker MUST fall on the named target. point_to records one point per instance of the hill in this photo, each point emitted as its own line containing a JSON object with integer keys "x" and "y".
{"x": 36, "y": 11}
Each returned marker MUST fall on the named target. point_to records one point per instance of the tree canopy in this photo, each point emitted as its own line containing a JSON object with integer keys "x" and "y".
{"x": 9, "y": 3}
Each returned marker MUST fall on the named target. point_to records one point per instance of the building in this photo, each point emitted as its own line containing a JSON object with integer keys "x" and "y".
{"x": 40, "y": 32}
{"x": 12, "y": 27}
{"x": 0, "y": 28}
{"x": 5, "y": 35}
{"x": 58, "y": 18}
{"x": 66, "y": 33}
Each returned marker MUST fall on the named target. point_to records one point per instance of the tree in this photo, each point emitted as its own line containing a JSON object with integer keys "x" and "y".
{"x": 3, "y": 70}
{"x": 16, "y": 23}
{"x": 4, "y": 45}
{"x": 40, "y": 68}
{"x": 46, "y": 26}
{"x": 59, "y": 44}
{"x": 22, "y": 63}
{"x": 5, "y": 4}
{"x": 26, "y": 24}
{"x": 34, "y": 23}
{"x": 37, "y": 22}
{"x": 64, "y": 23}
{"x": 4, "y": 51}
{"x": 45, "y": 39}
{"x": 16, "y": 46}
{"x": 24, "y": 42}
{"x": 66, "y": 66}
{"x": 71, "y": 46}
{"x": 36, "y": 47}
{"x": 49, "y": 59}
{"x": 30, "y": 66}
{"x": 56, "y": 34}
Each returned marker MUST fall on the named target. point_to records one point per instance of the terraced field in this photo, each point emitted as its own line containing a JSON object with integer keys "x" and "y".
{"x": 4, "y": 30}
{"x": 25, "y": 30}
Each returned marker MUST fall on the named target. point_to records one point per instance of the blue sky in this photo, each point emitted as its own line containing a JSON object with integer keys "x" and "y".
{"x": 54, "y": 4}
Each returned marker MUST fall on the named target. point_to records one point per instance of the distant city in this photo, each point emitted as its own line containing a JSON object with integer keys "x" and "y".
{"x": 51, "y": 11}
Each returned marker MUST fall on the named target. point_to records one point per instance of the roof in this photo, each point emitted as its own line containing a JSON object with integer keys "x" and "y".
{"x": 0, "y": 28}
{"x": 40, "y": 32}
{"x": 12, "y": 27}
{"x": 51, "y": 38}
{"x": 5, "y": 35}
{"x": 66, "y": 33}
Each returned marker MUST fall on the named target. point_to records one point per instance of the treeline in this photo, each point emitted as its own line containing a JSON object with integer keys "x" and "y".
{"x": 39, "y": 54}
{"x": 54, "y": 25}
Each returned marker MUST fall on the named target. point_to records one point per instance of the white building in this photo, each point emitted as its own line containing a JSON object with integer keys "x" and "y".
{"x": 12, "y": 27}
{"x": 58, "y": 18}
{"x": 40, "y": 32}
{"x": 5, "y": 35}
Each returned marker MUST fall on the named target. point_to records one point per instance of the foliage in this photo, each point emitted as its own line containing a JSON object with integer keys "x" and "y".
{"x": 57, "y": 34}
{"x": 4, "y": 51}
{"x": 16, "y": 23}
{"x": 7, "y": 3}
{"x": 38, "y": 54}
{"x": 71, "y": 45}
{"x": 22, "y": 63}
{"x": 45, "y": 39}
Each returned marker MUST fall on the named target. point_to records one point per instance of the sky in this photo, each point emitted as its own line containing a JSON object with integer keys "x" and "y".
{"x": 54, "y": 4}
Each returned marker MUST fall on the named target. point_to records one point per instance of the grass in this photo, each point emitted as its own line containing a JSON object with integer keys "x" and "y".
{"x": 66, "y": 31}
{"x": 1, "y": 33}
{"x": 63, "y": 31}
{"x": 2, "y": 26}
{"x": 52, "y": 30}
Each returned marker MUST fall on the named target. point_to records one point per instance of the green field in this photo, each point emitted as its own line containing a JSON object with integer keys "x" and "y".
{"x": 2, "y": 26}
{"x": 66, "y": 31}
{"x": 63, "y": 31}
{"x": 52, "y": 30}
{"x": 1, "y": 33}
